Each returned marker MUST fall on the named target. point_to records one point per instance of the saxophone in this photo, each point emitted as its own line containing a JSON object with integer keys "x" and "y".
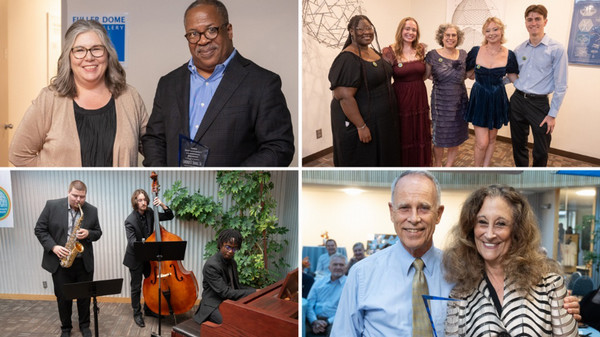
{"x": 75, "y": 247}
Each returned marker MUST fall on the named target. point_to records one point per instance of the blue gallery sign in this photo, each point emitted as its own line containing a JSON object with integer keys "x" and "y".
{"x": 115, "y": 25}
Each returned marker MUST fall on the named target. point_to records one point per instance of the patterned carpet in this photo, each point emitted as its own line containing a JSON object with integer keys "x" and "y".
{"x": 502, "y": 157}
{"x": 24, "y": 318}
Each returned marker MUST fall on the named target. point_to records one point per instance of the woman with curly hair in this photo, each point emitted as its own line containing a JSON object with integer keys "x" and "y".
{"x": 505, "y": 285}
{"x": 447, "y": 66}
{"x": 407, "y": 56}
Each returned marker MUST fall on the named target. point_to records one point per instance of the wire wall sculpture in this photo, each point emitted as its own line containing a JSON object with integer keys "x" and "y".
{"x": 470, "y": 15}
{"x": 326, "y": 20}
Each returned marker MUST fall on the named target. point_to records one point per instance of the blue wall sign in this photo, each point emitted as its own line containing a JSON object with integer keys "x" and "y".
{"x": 115, "y": 26}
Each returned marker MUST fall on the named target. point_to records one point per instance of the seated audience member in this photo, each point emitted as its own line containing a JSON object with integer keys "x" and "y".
{"x": 323, "y": 262}
{"x": 590, "y": 309}
{"x": 499, "y": 272}
{"x": 307, "y": 279}
{"x": 359, "y": 254}
{"x": 220, "y": 278}
{"x": 324, "y": 297}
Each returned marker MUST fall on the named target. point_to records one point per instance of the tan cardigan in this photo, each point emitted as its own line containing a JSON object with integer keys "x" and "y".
{"x": 47, "y": 134}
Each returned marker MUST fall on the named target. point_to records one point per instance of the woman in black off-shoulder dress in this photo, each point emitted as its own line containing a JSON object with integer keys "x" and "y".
{"x": 364, "y": 121}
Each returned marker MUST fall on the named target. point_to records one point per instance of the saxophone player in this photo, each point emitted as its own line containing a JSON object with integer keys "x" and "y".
{"x": 53, "y": 229}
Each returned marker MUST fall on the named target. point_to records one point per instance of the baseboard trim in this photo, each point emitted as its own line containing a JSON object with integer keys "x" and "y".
{"x": 562, "y": 153}
{"x": 29, "y": 297}
{"x": 317, "y": 155}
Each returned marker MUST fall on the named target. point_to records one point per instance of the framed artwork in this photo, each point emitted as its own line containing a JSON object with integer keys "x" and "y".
{"x": 584, "y": 40}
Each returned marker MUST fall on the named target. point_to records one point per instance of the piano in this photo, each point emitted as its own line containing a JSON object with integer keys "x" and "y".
{"x": 271, "y": 311}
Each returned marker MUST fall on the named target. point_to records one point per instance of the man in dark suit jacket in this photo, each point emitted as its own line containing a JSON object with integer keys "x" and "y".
{"x": 52, "y": 229}
{"x": 220, "y": 278}
{"x": 220, "y": 99}
{"x": 139, "y": 225}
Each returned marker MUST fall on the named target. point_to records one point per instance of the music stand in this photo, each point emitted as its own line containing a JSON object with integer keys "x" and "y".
{"x": 92, "y": 289}
{"x": 159, "y": 251}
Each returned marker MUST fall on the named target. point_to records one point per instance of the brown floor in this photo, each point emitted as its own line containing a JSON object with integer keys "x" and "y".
{"x": 502, "y": 157}
{"x": 27, "y": 318}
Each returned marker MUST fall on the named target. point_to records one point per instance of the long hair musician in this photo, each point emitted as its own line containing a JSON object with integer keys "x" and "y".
{"x": 139, "y": 225}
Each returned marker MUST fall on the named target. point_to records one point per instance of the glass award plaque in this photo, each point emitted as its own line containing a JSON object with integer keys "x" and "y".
{"x": 191, "y": 153}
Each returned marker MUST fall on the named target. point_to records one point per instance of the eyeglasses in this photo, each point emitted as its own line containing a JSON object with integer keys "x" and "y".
{"x": 365, "y": 29}
{"x": 231, "y": 249}
{"x": 81, "y": 52}
{"x": 210, "y": 33}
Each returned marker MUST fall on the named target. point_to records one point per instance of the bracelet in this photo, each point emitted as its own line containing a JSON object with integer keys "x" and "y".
{"x": 362, "y": 127}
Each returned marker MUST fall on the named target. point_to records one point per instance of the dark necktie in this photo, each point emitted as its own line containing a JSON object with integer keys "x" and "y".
{"x": 231, "y": 282}
{"x": 421, "y": 326}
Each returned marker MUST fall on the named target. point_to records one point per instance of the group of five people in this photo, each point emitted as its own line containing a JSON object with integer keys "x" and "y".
{"x": 379, "y": 123}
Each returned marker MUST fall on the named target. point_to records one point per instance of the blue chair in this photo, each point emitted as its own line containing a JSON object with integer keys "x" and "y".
{"x": 572, "y": 280}
{"x": 583, "y": 286}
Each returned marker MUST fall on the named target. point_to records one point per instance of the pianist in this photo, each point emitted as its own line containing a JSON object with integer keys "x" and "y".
{"x": 220, "y": 278}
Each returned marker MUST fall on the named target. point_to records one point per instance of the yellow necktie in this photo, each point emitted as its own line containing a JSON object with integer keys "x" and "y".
{"x": 421, "y": 326}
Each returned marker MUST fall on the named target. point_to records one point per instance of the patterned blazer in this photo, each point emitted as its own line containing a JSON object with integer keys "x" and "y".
{"x": 538, "y": 312}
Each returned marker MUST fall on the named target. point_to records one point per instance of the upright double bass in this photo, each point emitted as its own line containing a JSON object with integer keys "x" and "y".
{"x": 178, "y": 286}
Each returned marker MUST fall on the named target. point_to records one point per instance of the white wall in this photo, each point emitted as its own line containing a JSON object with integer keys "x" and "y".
{"x": 578, "y": 115}
{"x": 265, "y": 32}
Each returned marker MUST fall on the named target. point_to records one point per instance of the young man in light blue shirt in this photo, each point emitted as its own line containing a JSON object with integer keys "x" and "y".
{"x": 542, "y": 70}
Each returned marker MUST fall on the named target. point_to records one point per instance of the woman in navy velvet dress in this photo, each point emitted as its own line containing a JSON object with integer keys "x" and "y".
{"x": 488, "y": 103}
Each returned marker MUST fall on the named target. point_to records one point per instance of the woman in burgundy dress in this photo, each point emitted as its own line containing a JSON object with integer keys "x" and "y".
{"x": 407, "y": 58}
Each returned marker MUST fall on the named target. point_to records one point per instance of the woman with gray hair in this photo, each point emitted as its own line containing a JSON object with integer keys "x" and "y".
{"x": 446, "y": 66}
{"x": 88, "y": 115}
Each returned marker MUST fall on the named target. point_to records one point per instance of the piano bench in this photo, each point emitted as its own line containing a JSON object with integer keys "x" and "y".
{"x": 187, "y": 328}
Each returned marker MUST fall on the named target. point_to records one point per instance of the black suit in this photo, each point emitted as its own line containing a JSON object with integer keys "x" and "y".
{"x": 218, "y": 286}
{"x": 247, "y": 122}
{"x": 51, "y": 229}
{"x": 138, "y": 227}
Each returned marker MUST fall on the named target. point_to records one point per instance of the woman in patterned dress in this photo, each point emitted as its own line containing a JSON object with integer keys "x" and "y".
{"x": 505, "y": 285}
{"x": 447, "y": 67}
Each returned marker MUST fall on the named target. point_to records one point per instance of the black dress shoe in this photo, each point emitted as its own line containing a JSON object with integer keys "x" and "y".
{"x": 152, "y": 313}
{"x": 139, "y": 320}
{"x": 86, "y": 332}
{"x": 65, "y": 334}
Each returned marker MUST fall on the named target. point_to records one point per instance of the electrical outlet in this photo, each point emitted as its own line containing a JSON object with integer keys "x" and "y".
{"x": 44, "y": 284}
{"x": 319, "y": 133}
